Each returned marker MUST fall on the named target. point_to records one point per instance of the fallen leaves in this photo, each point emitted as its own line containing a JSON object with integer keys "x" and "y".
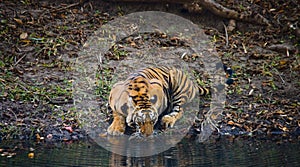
{"x": 270, "y": 121}
{"x": 8, "y": 153}
{"x": 46, "y": 33}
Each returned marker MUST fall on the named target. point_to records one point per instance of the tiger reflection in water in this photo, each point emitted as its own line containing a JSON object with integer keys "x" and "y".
{"x": 149, "y": 94}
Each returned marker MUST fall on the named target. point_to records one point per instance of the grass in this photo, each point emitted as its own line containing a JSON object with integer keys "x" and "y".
{"x": 117, "y": 53}
{"x": 11, "y": 130}
{"x": 104, "y": 83}
{"x": 16, "y": 90}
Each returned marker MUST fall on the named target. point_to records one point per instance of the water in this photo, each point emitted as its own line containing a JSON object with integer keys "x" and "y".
{"x": 186, "y": 153}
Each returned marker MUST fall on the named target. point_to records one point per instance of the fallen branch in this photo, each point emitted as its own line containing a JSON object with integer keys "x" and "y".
{"x": 213, "y": 7}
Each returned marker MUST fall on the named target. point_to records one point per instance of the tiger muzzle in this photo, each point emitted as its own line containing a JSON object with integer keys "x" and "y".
{"x": 145, "y": 119}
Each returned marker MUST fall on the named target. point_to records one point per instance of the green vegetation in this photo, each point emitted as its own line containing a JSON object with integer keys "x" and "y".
{"x": 104, "y": 83}
{"x": 17, "y": 90}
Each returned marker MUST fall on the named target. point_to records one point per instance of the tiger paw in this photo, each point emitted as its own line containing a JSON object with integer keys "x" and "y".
{"x": 168, "y": 121}
{"x": 115, "y": 129}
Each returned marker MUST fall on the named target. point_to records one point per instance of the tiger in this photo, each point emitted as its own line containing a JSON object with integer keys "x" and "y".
{"x": 148, "y": 94}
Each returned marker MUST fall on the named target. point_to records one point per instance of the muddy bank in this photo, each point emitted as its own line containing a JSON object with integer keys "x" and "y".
{"x": 39, "y": 39}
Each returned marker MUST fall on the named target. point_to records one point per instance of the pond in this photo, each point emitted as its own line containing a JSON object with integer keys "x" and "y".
{"x": 224, "y": 152}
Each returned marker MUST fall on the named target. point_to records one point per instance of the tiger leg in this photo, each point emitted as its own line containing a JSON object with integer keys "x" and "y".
{"x": 118, "y": 125}
{"x": 170, "y": 119}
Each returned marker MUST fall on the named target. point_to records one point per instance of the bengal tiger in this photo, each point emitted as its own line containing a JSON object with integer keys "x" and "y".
{"x": 147, "y": 94}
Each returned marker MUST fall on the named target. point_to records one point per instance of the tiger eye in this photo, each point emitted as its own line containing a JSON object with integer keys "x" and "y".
{"x": 124, "y": 108}
{"x": 153, "y": 99}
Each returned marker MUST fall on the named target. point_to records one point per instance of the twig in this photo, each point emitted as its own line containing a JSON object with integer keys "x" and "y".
{"x": 226, "y": 34}
{"x": 282, "y": 80}
{"x": 13, "y": 114}
{"x": 99, "y": 57}
{"x": 244, "y": 47}
{"x": 19, "y": 60}
{"x": 64, "y": 8}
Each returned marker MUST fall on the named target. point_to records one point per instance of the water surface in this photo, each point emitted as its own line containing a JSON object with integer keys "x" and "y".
{"x": 186, "y": 153}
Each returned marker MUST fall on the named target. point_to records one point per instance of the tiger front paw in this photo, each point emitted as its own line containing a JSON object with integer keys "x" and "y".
{"x": 168, "y": 121}
{"x": 116, "y": 129}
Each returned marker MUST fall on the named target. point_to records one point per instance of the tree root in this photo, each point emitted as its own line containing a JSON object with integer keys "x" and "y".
{"x": 224, "y": 12}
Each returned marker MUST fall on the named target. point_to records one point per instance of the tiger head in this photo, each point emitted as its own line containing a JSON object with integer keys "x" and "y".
{"x": 140, "y": 100}
{"x": 147, "y": 98}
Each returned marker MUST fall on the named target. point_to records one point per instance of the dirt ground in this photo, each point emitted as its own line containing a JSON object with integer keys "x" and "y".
{"x": 36, "y": 85}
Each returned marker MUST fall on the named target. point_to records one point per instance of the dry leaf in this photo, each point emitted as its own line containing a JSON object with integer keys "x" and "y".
{"x": 230, "y": 123}
{"x": 69, "y": 128}
{"x": 19, "y": 21}
{"x": 38, "y": 137}
{"x": 285, "y": 129}
{"x": 24, "y": 35}
{"x": 132, "y": 44}
{"x": 279, "y": 112}
{"x": 283, "y": 62}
